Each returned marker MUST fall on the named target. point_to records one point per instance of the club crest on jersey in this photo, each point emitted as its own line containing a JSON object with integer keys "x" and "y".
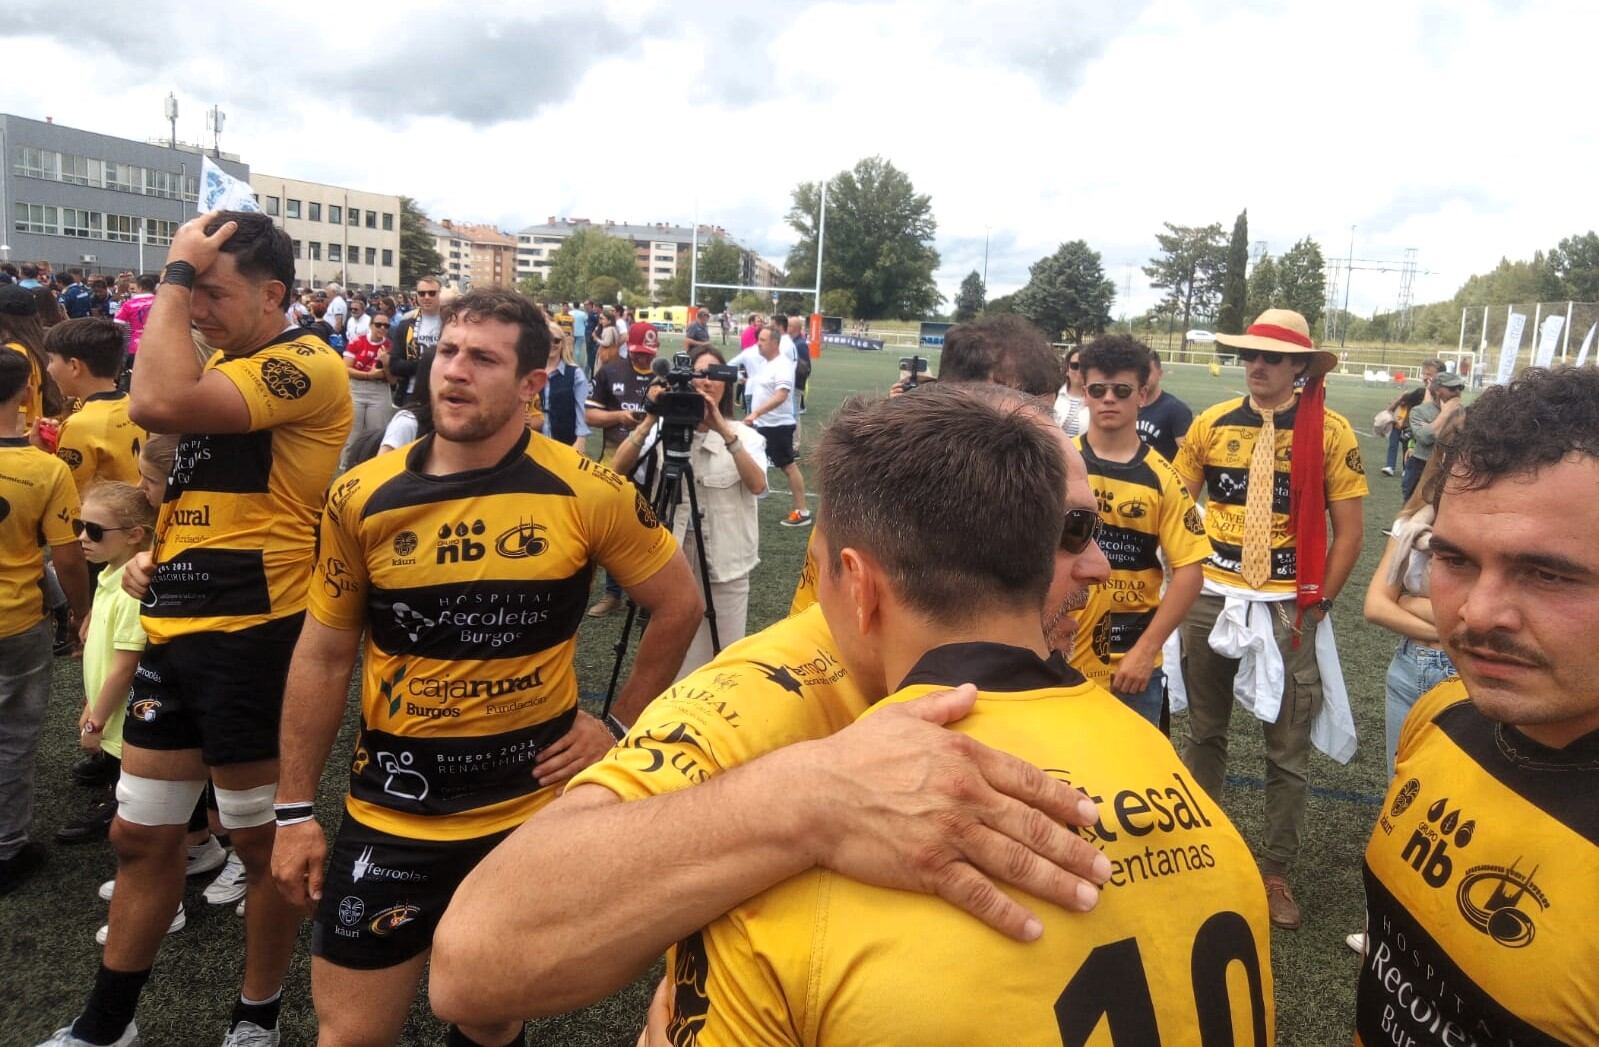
{"x": 284, "y": 380}
{"x": 1193, "y": 520}
{"x": 646, "y": 515}
{"x": 1495, "y": 900}
{"x": 1353, "y": 463}
{"x": 1133, "y": 509}
{"x": 393, "y": 918}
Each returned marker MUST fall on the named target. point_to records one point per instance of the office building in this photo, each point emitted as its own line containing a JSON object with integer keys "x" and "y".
{"x": 348, "y": 235}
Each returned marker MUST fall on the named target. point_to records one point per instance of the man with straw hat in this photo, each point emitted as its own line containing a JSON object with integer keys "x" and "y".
{"x": 1275, "y": 464}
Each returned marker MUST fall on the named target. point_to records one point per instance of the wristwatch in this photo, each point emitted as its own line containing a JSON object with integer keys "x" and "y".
{"x": 1324, "y": 606}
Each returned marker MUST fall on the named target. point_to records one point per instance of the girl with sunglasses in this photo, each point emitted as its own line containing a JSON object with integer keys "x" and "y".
{"x": 366, "y": 359}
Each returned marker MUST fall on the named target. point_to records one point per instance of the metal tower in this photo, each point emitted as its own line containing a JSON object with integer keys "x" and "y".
{"x": 1407, "y": 282}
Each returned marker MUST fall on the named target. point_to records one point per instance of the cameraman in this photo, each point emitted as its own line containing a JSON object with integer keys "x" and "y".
{"x": 729, "y": 463}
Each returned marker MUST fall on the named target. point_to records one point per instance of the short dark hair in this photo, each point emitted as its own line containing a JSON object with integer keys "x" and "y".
{"x": 958, "y": 492}
{"x": 1517, "y": 429}
{"x": 1113, "y": 353}
{"x": 146, "y": 282}
{"x": 29, "y": 271}
{"x": 14, "y": 374}
{"x": 1154, "y": 359}
{"x": 532, "y": 345}
{"x": 94, "y": 340}
{"x": 428, "y": 278}
{"x": 1004, "y": 349}
{"x": 260, "y": 249}
{"x": 64, "y": 279}
{"x": 1434, "y": 363}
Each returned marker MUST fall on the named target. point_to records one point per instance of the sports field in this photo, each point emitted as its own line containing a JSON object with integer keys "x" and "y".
{"x": 47, "y": 949}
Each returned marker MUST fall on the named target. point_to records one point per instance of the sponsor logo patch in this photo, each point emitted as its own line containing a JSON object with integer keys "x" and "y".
{"x": 284, "y": 380}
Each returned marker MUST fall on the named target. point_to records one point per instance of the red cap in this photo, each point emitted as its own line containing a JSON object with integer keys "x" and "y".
{"x": 643, "y": 338}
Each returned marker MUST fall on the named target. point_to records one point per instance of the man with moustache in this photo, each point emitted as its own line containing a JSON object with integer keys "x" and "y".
{"x": 1481, "y": 871}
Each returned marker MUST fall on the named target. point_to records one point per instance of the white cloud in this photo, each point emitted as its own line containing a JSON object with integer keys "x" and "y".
{"x": 1440, "y": 127}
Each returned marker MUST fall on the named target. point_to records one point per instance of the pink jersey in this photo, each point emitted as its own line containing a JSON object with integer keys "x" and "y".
{"x": 134, "y": 312}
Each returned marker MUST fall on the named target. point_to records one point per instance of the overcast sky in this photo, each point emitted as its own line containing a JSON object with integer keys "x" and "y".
{"x": 1459, "y": 128}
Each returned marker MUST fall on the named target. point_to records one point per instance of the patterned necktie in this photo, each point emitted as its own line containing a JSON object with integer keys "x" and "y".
{"x": 1257, "y": 504}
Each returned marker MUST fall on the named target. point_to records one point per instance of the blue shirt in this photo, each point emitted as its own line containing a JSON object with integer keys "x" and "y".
{"x": 78, "y": 301}
{"x": 580, "y": 324}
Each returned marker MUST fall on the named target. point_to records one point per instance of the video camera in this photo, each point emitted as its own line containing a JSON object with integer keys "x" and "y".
{"x": 909, "y": 368}
{"x": 680, "y": 407}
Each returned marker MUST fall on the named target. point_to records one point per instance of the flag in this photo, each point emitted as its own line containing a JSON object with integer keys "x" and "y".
{"x": 1548, "y": 337}
{"x": 220, "y": 191}
{"x": 1587, "y": 343}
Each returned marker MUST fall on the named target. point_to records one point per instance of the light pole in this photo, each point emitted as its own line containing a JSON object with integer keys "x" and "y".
{"x": 1349, "y": 278}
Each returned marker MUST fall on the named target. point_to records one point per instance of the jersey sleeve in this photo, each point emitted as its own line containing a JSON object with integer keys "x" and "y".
{"x": 624, "y": 535}
{"x": 680, "y": 739}
{"x": 805, "y": 588}
{"x": 336, "y": 596}
{"x": 287, "y": 382}
{"x": 74, "y": 447}
{"x": 1345, "y": 472}
{"x": 1190, "y": 461}
{"x": 1429, "y": 705}
{"x": 1182, "y": 529}
{"x": 127, "y": 632}
{"x": 61, "y": 508}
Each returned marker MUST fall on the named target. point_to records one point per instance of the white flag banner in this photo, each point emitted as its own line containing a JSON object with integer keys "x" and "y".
{"x": 1587, "y": 343}
{"x": 220, "y": 191}
{"x": 1548, "y": 337}
{"x": 1510, "y": 347}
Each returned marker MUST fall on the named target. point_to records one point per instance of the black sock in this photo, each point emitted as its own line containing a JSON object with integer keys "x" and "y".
{"x": 264, "y": 1014}
{"x": 112, "y": 1001}
{"x": 457, "y": 1038}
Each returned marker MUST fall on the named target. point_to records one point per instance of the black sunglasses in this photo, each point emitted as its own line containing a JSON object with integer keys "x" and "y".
{"x": 95, "y": 531}
{"x": 1097, "y": 390}
{"x": 376, "y": 324}
{"x": 1072, "y": 365}
{"x": 1248, "y": 356}
{"x": 1082, "y": 528}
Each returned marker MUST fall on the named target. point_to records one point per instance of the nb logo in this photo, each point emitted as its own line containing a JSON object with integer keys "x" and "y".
{"x": 456, "y": 544}
{"x": 1427, "y": 850}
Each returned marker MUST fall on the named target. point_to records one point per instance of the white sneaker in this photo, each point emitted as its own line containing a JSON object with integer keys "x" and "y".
{"x": 207, "y": 856}
{"x": 238, "y": 910}
{"x": 64, "y": 1038}
{"x": 229, "y": 886}
{"x": 106, "y": 890}
{"x": 178, "y": 923}
{"x": 1356, "y": 941}
{"x": 249, "y": 1034}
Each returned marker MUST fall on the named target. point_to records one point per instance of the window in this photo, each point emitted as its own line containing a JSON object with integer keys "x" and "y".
{"x": 296, "y": 244}
{"x": 292, "y": 208}
{"x": 455, "y": 254}
{"x": 77, "y": 222}
{"x": 664, "y": 258}
{"x": 191, "y": 188}
{"x": 335, "y": 214}
{"x": 315, "y": 214}
{"x": 37, "y": 163}
{"x": 388, "y": 221}
{"x": 371, "y": 219}
{"x": 159, "y": 232}
{"x": 271, "y": 206}
{"x": 316, "y": 249}
{"x": 123, "y": 228}
{"x": 80, "y": 170}
{"x": 160, "y": 183}
{"x": 371, "y": 256}
{"x": 664, "y": 270}
{"x": 355, "y": 216}
{"x": 388, "y": 256}
{"x": 36, "y": 218}
{"x": 335, "y": 252}
{"x": 124, "y": 178}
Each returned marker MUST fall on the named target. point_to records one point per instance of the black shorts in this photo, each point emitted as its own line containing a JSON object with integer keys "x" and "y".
{"x": 779, "y": 444}
{"x": 383, "y": 895}
{"x": 221, "y": 693}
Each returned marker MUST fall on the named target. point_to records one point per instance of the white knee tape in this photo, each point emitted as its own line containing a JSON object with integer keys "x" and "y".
{"x": 245, "y": 808}
{"x": 151, "y": 801}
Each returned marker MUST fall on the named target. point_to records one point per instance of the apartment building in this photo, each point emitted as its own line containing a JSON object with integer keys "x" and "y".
{"x": 348, "y": 235}
{"x": 658, "y": 249}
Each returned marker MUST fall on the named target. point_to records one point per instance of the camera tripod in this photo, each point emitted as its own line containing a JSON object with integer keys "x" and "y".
{"x": 665, "y": 501}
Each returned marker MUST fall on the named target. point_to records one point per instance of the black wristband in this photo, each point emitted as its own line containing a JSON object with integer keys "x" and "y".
{"x": 180, "y": 274}
{"x": 616, "y": 727}
{"x": 293, "y": 813}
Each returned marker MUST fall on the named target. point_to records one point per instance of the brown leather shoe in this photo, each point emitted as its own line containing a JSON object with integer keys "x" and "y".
{"x": 607, "y": 604}
{"x": 1280, "y": 903}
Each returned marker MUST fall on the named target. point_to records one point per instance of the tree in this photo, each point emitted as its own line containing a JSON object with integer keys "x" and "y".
{"x": 1575, "y": 263}
{"x": 879, "y": 240}
{"x": 1235, "y": 287}
{"x": 1002, "y": 304}
{"x": 419, "y": 256}
{"x": 603, "y": 289}
{"x": 969, "y": 301}
{"x": 1262, "y": 286}
{"x": 589, "y": 253}
{"x": 532, "y": 285}
{"x": 1189, "y": 269}
{"x": 837, "y": 302}
{"x": 720, "y": 263}
{"x": 1302, "y": 281}
{"x": 1068, "y": 292}
{"x": 674, "y": 289}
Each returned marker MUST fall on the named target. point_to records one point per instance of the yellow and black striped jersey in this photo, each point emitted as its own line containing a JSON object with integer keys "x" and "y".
{"x": 805, "y": 588}
{"x": 37, "y": 506}
{"x": 471, "y": 587}
{"x": 1177, "y": 951}
{"x": 1147, "y": 512}
{"x": 785, "y": 684}
{"x": 1216, "y": 454}
{"x": 100, "y": 442}
{"x": 236, "y": 536}
{"x": 1481, "y": 877}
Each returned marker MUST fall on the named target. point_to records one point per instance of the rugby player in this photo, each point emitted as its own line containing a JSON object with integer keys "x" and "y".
{"x": 466, "y": 557}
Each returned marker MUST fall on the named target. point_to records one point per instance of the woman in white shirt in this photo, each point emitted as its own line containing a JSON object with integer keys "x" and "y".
{"x": 1071, "y": 408}
{"x": 729, "y": 463}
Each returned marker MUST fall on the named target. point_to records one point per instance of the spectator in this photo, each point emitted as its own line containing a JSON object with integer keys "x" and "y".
{"x": 580, "y": 325}
{"x": 356, "y": 326}
{"x": 725, "y": 322}
{"x": 697, "y": 335}
{"x": 30, "y": 276}
{"x": 1266, "y": 558}
{"x": 337, "y": 314}
{"x": 729, "y": 462}
{"x": 41, "y": 506}
{"x": 1442, "y": 401}
{"x": 565, "y": 396}
{"x": 615, "y": 406}
{"x": 1070, "y": 404}
{"x": 1163, "y": 420}
{"x": 100, "y": 301}
{"x": 21, "y": 332}
{"x": 751, "y": 332}
{"x": 608, "y": 344}
{"x": 76, "y": 299}
{"x": 413, "y": 337}
{"x": 366, "y": 360}
{"x": 134, "y": 312}
{"x": 774, "y": 419}
{"x": 415, "y": 419}
{"x": 802, "y": 357}
{"x": 98, "y": 441}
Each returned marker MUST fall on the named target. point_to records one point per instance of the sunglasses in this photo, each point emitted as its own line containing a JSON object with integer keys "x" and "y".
{"x": 1082, "y": 527}
{"x": 1249, "y": 356}
{"x": 96, "y": 532}
{"x": 427, "y": 294}
{"x": 380, "y": 325}
{"x": 1097, "y": 390}
{"x": 1072, "y": 365}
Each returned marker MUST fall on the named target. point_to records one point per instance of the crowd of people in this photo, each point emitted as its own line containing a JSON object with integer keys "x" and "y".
{"x": 952, "y": 758}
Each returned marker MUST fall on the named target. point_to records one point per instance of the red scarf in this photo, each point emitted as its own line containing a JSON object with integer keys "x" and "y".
{"x": 1307, "y": 499}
